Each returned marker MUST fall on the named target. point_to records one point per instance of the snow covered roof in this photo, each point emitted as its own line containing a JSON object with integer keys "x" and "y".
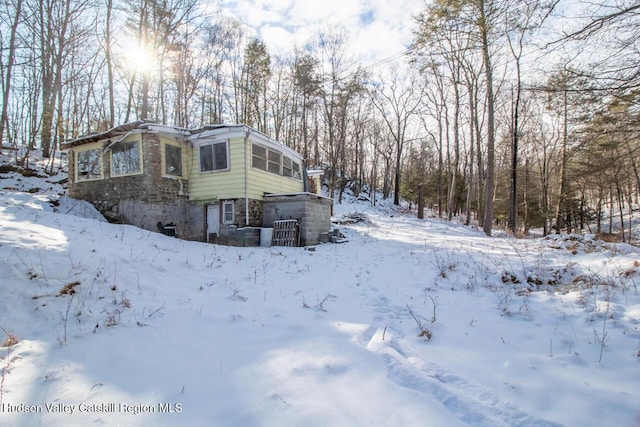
{"x": 300, "y": 193}
{"x": 116, "y": 131}
{"x": 207, "y": 131}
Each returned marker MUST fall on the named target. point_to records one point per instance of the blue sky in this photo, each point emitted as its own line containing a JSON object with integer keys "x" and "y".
{"x": 377, "y": 29}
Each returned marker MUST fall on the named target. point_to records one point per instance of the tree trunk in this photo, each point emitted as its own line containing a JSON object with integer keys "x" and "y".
{"x": 112, "y": 105}
{"x": 4, "y": 118}
{"x": 420, "y": 201}
{"x": 456, "y": 151}
{"x": 488, "y": 69}
{"x": 513, "y": 195}
{"x": 562, "y": 202}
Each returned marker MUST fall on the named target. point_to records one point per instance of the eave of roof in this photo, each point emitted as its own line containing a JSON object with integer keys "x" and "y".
{"x": 99, "y": 136}
{"x": 206, "y": 131}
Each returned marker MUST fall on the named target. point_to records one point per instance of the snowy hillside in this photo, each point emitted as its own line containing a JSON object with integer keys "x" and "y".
{"x": 410, "y": 323}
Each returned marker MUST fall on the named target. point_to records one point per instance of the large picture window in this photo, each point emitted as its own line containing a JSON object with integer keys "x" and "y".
{"x": 173, "y": 160}
{"x": 89, "y": 164}
{"x": 213, "y": 157}
{"x": 125, "y": 159}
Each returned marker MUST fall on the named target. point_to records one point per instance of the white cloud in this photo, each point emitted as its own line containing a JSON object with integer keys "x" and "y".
{"x": 278, "y": 39}
{"x": 318, "y": 13}
{"x": 377, "y": 29}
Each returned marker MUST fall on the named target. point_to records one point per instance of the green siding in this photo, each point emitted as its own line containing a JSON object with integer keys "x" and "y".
{"x": 229, "y": 184}
{"x": 186, "y": 154}
{"x": 261, "y": 182}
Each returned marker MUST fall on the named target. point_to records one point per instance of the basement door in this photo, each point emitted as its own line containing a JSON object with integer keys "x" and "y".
{"x": 213, "y": 220}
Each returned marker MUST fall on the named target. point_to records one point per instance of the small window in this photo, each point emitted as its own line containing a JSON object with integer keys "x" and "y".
{"x": 219, "y": 156}
{"x": 125, "y": 159}
{"x": 228, "y": 216}
{"x": 89, "y": 164}
{"x": 287, "y": 167}
{"x": 213, "y": 157}
{"x": 173, "y": 160}
{"x": 259, "y": 157}
{"x": 296, "y": 171}
{"x": 290, "y": 168}
{"x": 206, "y": 158}
{"x": 266, "y": 159}
{"x": 273, "y": 165}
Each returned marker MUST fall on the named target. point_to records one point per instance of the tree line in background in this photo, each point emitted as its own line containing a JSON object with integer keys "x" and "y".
{"x": 500, "y": 111}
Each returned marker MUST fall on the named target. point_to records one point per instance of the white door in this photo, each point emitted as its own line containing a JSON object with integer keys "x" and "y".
{"x": 213, "y": 220}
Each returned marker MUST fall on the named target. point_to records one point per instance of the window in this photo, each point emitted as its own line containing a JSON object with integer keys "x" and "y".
{"x": 89, "y": 164}
{"x": 173, "y": 160}
{"x": 296, "y": 171}
{"x": 287, "y": 167}
{"x": 259, "y": 158}
{"x": 290, "y": 168}
{"x": 273, "y": 161}
{"x": 228, "y": 216}
{"x": 125, "y": 159}
{"x": 266, "y": 159}
{"x": 213, "y": 157}
{"x": 273, "y": 164}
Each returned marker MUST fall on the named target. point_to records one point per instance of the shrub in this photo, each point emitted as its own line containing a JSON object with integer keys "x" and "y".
{"x": 12, "y": 339}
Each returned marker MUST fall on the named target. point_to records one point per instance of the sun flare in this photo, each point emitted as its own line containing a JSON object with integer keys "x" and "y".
{"x": 138, "y": 57}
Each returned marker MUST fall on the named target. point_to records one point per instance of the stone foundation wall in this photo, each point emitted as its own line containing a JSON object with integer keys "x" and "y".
{"x": 150, "y": 187}
{"x": 255, "y": 213}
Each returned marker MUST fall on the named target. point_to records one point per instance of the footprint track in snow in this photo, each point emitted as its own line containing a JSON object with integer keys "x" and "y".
{"x": 471, "y": 403}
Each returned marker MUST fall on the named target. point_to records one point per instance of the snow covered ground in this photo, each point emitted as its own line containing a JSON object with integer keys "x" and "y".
{"x": 121, "y": 326}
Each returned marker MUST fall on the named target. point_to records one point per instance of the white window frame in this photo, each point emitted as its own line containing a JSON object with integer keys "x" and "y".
{"x": 258, "y": 157}
{"x": 293, "y": 168}
{"x": 228, "y": 209}
{"x": 268, "y": 159}
{"x": 270, "y": 163}
{"x": 274, "y": 162}
{"x": 213, "y": 157}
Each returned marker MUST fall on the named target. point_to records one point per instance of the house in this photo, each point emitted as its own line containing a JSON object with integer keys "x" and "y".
{"x": 219, "y": 183}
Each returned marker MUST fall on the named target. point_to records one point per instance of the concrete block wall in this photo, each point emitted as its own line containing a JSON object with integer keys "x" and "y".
{"x": 231, "y": 235}
{"x": 188, "y": 218}
{"x": 313, "y": 212}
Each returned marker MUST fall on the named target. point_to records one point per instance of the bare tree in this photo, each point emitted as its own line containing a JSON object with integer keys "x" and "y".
{"x": 155, "y": 24}
{"x": 7, "y": 67}
{"x": 338, "y": 83}
{"x": 612, "y": 27}
{"x": 58, "y": 30}
{"x": 521, "y": 19}
{"x": 398, "y": 103}
{"x": 108, "y": 45}
{"x": 220, "y": 45}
